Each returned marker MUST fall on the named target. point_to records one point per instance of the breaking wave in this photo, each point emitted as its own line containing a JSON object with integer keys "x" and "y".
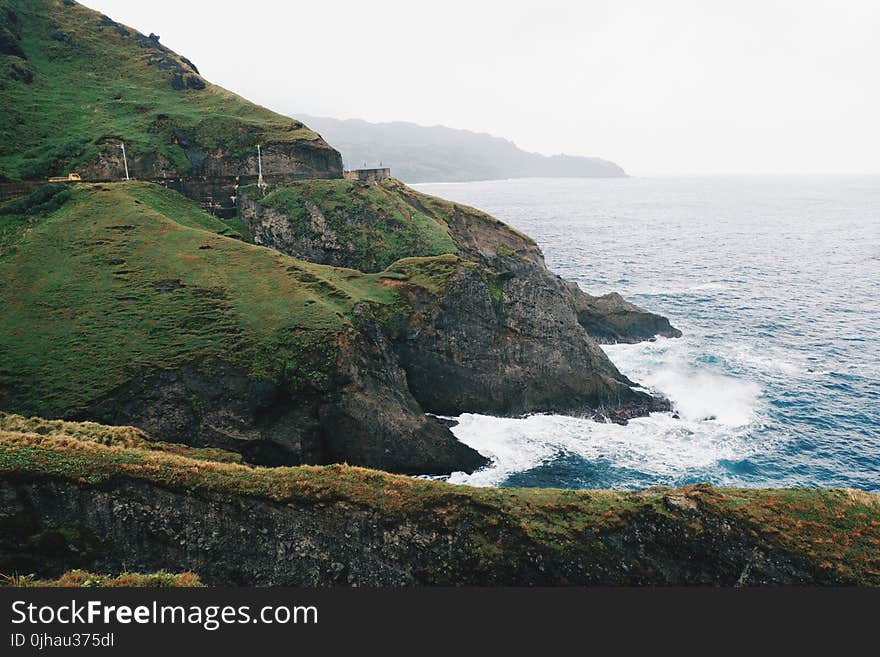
{"x": 773, "y": 283}
{"x": 711, "y": 421}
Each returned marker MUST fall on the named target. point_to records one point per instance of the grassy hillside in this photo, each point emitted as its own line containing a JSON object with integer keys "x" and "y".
{"x": 369, "y": 226}
{"x": 125, "y": 277}
{"x": 71, "y": 79}
{"x": 836, "y": 532}
{"x": 128, "y": 437}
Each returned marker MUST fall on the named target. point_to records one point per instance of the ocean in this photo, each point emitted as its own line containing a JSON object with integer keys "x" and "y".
{"x": 774, "y": 283}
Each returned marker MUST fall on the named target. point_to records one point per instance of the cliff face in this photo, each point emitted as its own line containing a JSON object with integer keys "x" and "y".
{"x": 282, "y": 162}
{"x": 79, "y": 503}
{"x": 132, "y": 306}
{"x": 136, "y": 526}
{"x": 506, "y": 341}
{"x": 495, "y": 331}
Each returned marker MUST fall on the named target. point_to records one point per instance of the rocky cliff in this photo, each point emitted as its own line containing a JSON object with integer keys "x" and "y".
{"x": 496, "y": 331}
{"x": 358, "y": 309}
{"x": 87, "y": 502}
{"x": 134, "y": 306}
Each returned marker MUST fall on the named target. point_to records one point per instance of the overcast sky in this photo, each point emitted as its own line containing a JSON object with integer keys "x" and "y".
{"x": 678, "y": 86}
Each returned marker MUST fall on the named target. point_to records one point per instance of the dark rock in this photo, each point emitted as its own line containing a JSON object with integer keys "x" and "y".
{"x": 526, "y": 353}
{"x": 446, "y": 421}
{"x": 610, "y": 318}
{"x": 363, "y": 415}
{"x": 49, "y": 526}
{"x": 376, "y": 421}
{"x": 10, "y": 43}
{"x": 194, "y": 82}
{"x": 165, "y": 63}
{"x": 63, "y": 37}
{"x": 190, "y": 64}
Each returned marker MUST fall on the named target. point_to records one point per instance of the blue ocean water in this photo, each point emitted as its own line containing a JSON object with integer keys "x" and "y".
{"x": 774, "y": 282}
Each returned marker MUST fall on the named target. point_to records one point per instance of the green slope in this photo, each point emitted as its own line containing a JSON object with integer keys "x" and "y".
{"x": 373, "y": 224}
{"x": 128, "y": 277}
{"x": 71, "y": 79}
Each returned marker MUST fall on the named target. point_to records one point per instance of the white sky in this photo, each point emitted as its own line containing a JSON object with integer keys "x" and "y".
{"x": 672, "y": 87}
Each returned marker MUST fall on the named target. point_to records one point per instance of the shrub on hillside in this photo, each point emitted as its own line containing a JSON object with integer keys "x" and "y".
{"x": 42, "y": 200}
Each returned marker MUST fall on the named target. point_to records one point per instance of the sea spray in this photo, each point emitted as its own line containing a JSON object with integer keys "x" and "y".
{"x": 696, "y": 393}
{"x": 772, "y": 281}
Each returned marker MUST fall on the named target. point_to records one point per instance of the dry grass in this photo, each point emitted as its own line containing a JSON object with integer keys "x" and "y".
{"x": 77, "y": 579}
{"x": 835, "y": 530}
{"x": 92, "y": 432}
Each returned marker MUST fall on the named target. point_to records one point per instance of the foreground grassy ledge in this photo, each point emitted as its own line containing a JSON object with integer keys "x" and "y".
{"x": 78, "y": 495}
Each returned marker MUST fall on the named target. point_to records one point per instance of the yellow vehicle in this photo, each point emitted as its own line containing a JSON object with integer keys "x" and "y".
{"x": 70, "y": 177}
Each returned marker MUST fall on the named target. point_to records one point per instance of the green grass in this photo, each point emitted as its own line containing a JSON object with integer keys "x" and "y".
{"x": 123, "y": 436}
{"x": 185, "y": 212}
{"x": 441, "y": 208}
{"x": 430, "y": 274}
{"x": 93, "y": 462}
{"x": 90, "y": 82}
{"x": 374, "y": 224}
{"x": 125, "y": 278}
{"x": 834, "y": 530}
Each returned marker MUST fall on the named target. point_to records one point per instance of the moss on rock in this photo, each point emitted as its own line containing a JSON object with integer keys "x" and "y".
{"x": 656, "y": 535}
{"x": 345, "y": 223}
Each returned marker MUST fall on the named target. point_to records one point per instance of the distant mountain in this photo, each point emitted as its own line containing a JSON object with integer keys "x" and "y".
{"x": 418, "y": 153}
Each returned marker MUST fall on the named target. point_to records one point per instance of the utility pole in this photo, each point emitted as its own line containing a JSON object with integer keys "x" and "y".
{"x": 260, "y": 182}
{"x": 124, "y": 159}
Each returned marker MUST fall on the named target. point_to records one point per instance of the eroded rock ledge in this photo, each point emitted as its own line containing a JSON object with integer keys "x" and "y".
{"x": 69, "y": 504}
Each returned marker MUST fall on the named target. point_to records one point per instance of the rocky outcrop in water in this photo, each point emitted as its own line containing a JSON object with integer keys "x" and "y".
{"x": 611, "y": 318}
{"x": 495, "y": 331}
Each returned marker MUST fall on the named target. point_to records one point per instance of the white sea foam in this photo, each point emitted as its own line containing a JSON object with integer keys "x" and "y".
{"x": 715, "y": 415}
{"x": 696, "y": 393}
{"x": 679, "y": 289}
{"x": 658, "y": 445}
